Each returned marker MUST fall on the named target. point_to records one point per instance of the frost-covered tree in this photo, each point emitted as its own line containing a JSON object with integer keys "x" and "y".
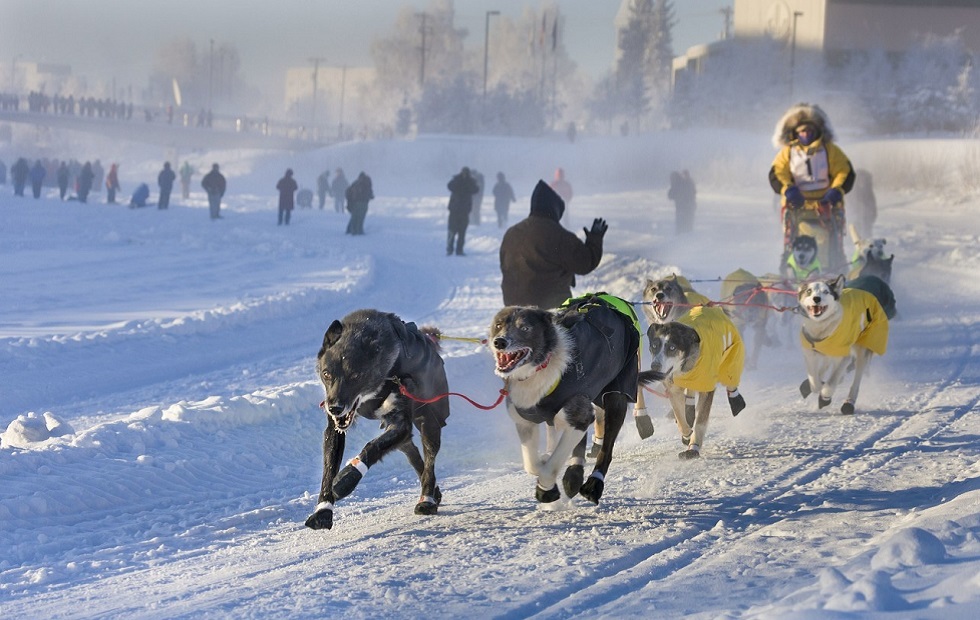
{"x": 660, "y": 53}
{"x": 633, "y": 42}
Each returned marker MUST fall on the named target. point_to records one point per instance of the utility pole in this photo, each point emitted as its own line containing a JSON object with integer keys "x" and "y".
{"x": 726, "y": 13}
{"x": 343, "y": 83}
{"x": 422, "y": 29}
{"x": 211, "y": 75}
{"x": 316, "y": 69}
{"x": 792, "y": 53}
{"x": 486, "y": 51}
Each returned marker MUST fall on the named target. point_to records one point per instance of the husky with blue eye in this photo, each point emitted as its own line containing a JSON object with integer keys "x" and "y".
{"x": 842, "y": 324}
{"x": 365, "y": 360}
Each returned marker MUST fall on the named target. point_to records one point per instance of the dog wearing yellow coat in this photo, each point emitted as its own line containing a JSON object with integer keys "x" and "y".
{"x": 842, "y": 324}
{"x": 695, "y": 353}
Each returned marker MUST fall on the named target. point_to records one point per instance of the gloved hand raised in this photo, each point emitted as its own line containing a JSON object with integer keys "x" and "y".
{"x": 794, "y": 197}
{"x": 599, "y": 228}
{"x": 833, "y": 196}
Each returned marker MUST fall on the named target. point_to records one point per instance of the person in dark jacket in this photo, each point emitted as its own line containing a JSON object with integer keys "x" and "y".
{"x": 323, "y": 187}
{"x": 287, "y": 191}
{"x": 462, "y": 188}
{"x": 165, "y": 180}
{"x": 112, "y": 184}
{"x": 3, "y": 173}
{"x": 19, "y": 173}
{"x": 358, "y": 195}
{"x": 63, "y": 175}
{"x": 86, "y": 178}
{"x": 503, "y": 195}
{"x": 214, "y": 184}
{"x": 140, "y": 196}
{"x": 684, "y": 194}
{"x": 539, "y": 258}
{"x": 37, "y": 177}
{"x": 338, "y": 189}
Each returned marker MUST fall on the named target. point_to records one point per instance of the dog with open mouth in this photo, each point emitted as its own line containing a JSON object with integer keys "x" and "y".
{"x": 556, "y": 366}
{"x": 842, "y": 324}
{"x": 366, "y": 360}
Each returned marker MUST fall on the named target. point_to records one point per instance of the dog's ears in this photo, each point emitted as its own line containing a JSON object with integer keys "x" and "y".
{"x": 333, "y": 333}
{"x": 836, "y": 285}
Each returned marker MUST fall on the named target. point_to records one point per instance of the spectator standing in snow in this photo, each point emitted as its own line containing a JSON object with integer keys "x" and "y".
{"x": 503, "y": 195}
{"x": 112, "y": 184}
{"x": 63, "y": 175}
{"x": 186, "y": 172}
{"x": 37, "y": 177}
{"x": 462, "y": 189}
{"x": 287, "y": 190}
{"x": 684, "y": 194}
{"x": 338, "y": 188}
{"x": 863, "y": 207}
{"x": 358, "y": 195}
{"x": 214, "y": 184}
{"x": 323, "y": 187}
{"x": 3, "y": 173}
{"x": 477, "y": 197}
{"x": 562, "y": 187}
{"x": 19, "y": 173}
{"x": 166, "y": 182}
{"x": 86, "y": 178}
{"x": 539, "y": 258}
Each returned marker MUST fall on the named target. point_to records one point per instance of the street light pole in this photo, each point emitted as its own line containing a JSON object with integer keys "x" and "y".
{"x": 316, "y": 69}
{"x": 792, "y": 53}
{"x": 486, "y": 51}
{"x": 343, "y": 84}
{"x": 211, "y": 75}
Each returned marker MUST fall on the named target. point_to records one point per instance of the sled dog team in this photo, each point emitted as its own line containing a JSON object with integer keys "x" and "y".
{"x": 567, "y": 368}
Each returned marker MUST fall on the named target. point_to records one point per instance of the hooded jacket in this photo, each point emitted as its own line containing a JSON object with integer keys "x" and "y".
{"x": 539, "y": 258}
{"x": 722, "y": 351}
{"x": 813, "y": 168}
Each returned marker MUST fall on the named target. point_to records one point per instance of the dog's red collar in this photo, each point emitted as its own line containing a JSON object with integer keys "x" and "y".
{"x": 543, "y": 364}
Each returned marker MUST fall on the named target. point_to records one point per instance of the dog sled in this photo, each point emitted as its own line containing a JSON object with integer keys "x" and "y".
{"x": 824, "y": 222}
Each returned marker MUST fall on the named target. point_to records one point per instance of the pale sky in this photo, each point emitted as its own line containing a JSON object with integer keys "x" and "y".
{"x": 106, "y": 39}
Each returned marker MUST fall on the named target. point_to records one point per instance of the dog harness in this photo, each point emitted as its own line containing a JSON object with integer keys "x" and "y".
{"x": 722, "y": 351}
{"x": 863, "y": 323}
{"x": 803, "y": 272}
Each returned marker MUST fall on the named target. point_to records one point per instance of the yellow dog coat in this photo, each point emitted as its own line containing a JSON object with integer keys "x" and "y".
{"x": 722, "y": 352}
{"x": 863, "y": 323}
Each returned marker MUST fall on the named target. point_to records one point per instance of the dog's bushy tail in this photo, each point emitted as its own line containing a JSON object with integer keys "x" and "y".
{"x": 651, "y": 376}
{"x": 434, "y": 334}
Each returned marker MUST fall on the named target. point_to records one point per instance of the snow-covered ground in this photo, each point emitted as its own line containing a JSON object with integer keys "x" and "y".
{"x": 162, "y": 435}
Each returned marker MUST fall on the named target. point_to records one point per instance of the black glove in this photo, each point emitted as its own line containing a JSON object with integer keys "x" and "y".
{"x": 794, "y": 197}
{"x": 833, "y": 196}
{"x": 599, "y": 228}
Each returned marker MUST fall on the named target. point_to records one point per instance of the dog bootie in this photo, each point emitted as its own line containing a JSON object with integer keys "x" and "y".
{"x": 735, "y": 401}
{"x": 546, "y": 496}
{"x": 644, "y": 425}
{"x": 596, "y": 447}
{"x": 346, "y": 481}
{"x": 805, "y": 388}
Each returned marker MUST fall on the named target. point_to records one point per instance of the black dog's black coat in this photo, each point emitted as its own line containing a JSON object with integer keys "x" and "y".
{"x": 369, "y": 354}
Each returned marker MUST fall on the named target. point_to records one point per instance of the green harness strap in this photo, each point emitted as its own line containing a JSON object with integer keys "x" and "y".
{"x": 587, "y": 300}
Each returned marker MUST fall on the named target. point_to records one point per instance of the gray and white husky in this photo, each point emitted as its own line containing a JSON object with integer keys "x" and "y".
{"x": 842, "y": 324}
{"x": 365, "y": 360}
{"x": 690, "y": 357}
{"x": 555, "y": 367}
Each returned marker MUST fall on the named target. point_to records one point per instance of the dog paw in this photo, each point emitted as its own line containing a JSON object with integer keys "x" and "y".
{"x": 592, "y": 489}
{"x": 547, "y": 496}
{"x": 346, "y": 481}
{"x": 572, "y": 480}
{"x": 594, "y": 449}
{"x": 805, "y": 388}
{"x": 847, "y": 408}
{"x": 644, "y": 426}
{"x": 688, "y": 455}
{"x": 426, "y": 508}
{"x": 822, "y": 402}
{"x": 320, "y": 520}
{"x": 737, "y": 403}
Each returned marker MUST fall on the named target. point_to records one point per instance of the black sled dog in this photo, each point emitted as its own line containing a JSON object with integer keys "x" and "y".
{"x": 556, "y": 365}
{"x": 365, "y": 358}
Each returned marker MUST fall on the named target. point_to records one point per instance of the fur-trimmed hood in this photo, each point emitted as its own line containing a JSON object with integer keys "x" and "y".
{"x": 801, "y": 113}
